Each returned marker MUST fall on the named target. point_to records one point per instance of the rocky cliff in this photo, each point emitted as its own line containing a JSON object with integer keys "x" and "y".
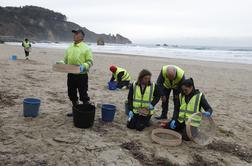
{"x": 40, "y": 24}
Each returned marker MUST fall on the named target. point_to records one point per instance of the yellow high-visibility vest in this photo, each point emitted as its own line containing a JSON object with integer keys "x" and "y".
{"x": 125, "y": 77}
{"x": 167, "y": 82}
{"x": 26, "y": 44}
{"x": 187, "y": 109}
{"x": 142, "y": 101}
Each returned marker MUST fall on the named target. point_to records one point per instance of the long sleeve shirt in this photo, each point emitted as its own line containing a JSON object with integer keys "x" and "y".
{"x": 203, "y": 104}
{"x": 79, "y": 54}
{"x": 153, "y": 102}
{"x": 160, "y": 83}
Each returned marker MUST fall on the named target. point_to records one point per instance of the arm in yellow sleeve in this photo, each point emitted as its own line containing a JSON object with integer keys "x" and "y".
{"x": 88, "y": 59}
{"x": 65, "y": 57}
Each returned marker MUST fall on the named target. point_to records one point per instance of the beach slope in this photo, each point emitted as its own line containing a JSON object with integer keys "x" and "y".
{"x": 51, "y": 138}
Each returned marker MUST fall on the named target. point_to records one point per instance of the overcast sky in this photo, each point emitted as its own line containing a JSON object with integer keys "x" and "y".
{"x": 158, "y": 21}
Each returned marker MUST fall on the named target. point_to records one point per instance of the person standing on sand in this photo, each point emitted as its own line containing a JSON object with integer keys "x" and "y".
{"x": 169, "y": 79}
{"x": 191, "y": 101}
{"x": 78, "y": 53}
{"x": 27, "y": 46}
{"x": 121, "y": 76}
{"x": 143, "y": 96}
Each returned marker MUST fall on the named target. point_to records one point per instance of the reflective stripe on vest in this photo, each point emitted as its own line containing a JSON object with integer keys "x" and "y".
{"x": 186, "y": 110}
{"x": 26, "y": 44}
{"x": 125, "y": 77}
{"x": 179, "y": 76}
{"x": 142, "y": 101}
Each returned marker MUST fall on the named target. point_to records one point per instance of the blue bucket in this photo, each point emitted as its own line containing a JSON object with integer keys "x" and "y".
{"x": 13, "y": 57}
{"x": 112, "y": 85}
{"x": 108, "y": 112}
{"x": 126, "y": 106}
{"x": 31, "y": 107}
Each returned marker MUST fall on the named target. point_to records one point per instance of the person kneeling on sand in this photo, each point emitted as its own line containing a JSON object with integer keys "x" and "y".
{"x": 191, "y": 101}
{"x": 121, "y": 76}
{"x": 143, "y": 96}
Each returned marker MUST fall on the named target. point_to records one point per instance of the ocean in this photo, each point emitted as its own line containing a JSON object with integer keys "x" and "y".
{"x": 218, "y": 54}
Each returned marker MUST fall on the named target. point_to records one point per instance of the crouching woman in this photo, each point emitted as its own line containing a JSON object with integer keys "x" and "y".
{"x": 191, "y": 101}
{"x": 143, "y": 96}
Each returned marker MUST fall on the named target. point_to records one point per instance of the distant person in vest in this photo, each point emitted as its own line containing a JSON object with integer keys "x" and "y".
{"x": 121, "y": 76}
{"x": 78, "y": 53}
{"x": 27, "y": 47}
{"x": 143, "y": 96}
{"x": 169, "y": 79}
{"x": 191, "y": 101}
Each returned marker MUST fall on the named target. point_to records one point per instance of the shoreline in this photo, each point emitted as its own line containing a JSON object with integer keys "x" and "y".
{"x": 148, "y": 56}
{"x": 168, "y": 58}
{"x": 132, "y": 56}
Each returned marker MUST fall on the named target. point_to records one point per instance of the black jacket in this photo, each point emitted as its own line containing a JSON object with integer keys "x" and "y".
{"x": 203, "y": 104}
{"x": 160, "y": 83}
{"x": 154, "y": 101}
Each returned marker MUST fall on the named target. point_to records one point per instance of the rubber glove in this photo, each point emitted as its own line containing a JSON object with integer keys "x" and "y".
{"x": 60, "y": 62}
{"x": 82, "y": 68}
{"x": 130, "y": 115}
{"x": 206, "y": 114}
{"x": 173, "y": 124}
{"x": 151, "y": 107}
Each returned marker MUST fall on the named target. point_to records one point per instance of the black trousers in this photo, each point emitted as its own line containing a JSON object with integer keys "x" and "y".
{"x": 181, "y": 128}
{"x": 121, "y": 84}
{"x": 139, "y": 122}
{"x": 77, "y": 82}
{"x": 26, "y": 53}
{"x": 165, "y": 105}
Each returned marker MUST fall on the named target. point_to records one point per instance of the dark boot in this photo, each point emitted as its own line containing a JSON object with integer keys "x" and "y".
{"x": 74, "y": 103}
{"x": 86, "y": 102}
{"x": 69, "y": 114}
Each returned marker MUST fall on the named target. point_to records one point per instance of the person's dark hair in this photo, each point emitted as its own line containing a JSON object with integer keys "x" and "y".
{"x": 188, "y": 83}
{"x": 142, "y": 74}
{"x": 26, "y": 39}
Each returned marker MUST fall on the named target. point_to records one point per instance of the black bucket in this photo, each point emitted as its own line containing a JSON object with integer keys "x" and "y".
{"x": 83, "y": 115}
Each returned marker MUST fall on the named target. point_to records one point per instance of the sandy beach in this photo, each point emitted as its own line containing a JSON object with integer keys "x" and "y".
{"x": 51, "y": 138}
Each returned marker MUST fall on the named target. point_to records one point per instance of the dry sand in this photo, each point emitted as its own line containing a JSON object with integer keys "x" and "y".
{"x": 51, "y": 139}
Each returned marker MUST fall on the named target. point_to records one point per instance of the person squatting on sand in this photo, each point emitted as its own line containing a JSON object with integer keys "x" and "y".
{"x": 169, "y": 79}
{"x": 191, "y": 101}
{"x": 27, "y": 45}
{"x": 121, "y": 76}
{"x": 78, "y": 53}
{"x": 143, "y": 96}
